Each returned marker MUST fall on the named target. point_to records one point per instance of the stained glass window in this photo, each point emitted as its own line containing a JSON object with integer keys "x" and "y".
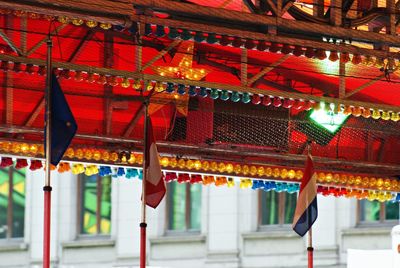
{"x": 374, "y": 211}
{"x": 184, "y": 207}
{"x": 95, "y": 205}
{"x": 12, "y": 203}
{"x": 277, "y": 208}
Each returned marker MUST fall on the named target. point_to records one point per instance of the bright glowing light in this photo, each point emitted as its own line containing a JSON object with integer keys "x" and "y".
{"x": 328, "y": 119}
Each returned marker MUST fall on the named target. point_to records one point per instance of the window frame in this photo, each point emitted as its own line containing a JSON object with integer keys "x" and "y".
{"x": 281, "y": 213}
{"x": 10, "y": 208}
{"x": 188, "y": 212}
{"x": 99, "y": 190}
{"x": 382, "y": 215}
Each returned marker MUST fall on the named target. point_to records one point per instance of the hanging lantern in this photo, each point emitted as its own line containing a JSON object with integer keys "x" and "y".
{"x": 237, "y": 42}
{"x": 249, "y": 44}
{"x": 357, "y": 59}
{"x": 211, "y": 38}
{"x": 160, "y": 32}
{"x": 376, "y": 114}
{"x": 298, "y": 104}
{"x": 235, "y": 97}
{"x": 105, "y": 26}
{"x": 309, "y": 53}
{"x": 255, "y": 99}
{"x": 246, "y": 97}
{"x": 181, "y": 89}
{"x": 333, "y": 56}
{"x": 214, "y": 94}
{"x": 224, "y": 95}
{"x": 261, "y": 46}
{"x": 348, "y": 110}
{"x": 287, "y": 103}
{"x": 344, "y": 57}
{"x": 224, "y": 41}
{"x": 357, "y": 111}
{"x": 199, "y": 37}
{"x": 298, "y": 51}
{"x": 266, "y": 101}
{"x": 366, "y": 113}
{"x": 395, "y": 117}
{"x": 385, "y": 115}
{"x": 320, "y": 54}
{"x": 286, "y": 49}
{"x": 277, "y": 102}
{"x": 91, "y": 23}
{"x": 186, "y": 35}
{"x": 173, "y": 33}
{"x": 274, "y": 47}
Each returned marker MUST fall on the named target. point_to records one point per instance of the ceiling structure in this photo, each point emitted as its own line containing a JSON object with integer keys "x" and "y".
{"x": 261, "y": 63}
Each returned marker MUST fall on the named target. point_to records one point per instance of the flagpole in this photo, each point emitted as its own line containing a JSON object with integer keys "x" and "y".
{"x": 143, "y": 224}
{"x": 47, "y": 187}
{"x": 310, "y": 250}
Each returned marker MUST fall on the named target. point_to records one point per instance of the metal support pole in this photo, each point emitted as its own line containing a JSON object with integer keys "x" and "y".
{"x": 143, "y": 224}
{"x": 310, "y": 250}
{"x": 47, "y": 187}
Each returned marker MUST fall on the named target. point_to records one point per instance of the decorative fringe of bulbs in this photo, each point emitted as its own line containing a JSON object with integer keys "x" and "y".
{"x": 193, "y": 91}
{"x": 382, "y": 195}
{"x": 189, "y": 165}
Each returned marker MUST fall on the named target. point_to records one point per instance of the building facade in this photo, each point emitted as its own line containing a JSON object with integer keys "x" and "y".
{"x": 95, "y": 223}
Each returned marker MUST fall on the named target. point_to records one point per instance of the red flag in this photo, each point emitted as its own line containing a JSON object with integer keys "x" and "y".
{"x": 155, "y": 186}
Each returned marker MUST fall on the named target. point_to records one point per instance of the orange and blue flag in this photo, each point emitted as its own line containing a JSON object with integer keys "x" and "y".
{"x": 306, "y": 209}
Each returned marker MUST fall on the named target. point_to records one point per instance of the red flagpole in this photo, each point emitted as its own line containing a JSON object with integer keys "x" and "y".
{"x": 47, "y": 187}
{"x": 310, "y": 250}
{"x": 143, "y": 224}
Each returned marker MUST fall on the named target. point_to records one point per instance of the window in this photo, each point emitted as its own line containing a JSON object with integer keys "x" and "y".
{"x": 277, "y": 209}
{"x": 12, "y": 203}
{"x": 184, "y": 207}
{"x": 95, "y": 205}
{"x": 377, "y": 212}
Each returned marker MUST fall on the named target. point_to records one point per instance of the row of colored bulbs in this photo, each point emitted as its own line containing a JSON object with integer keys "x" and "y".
{"x": 193, "y": 91}
{"x": 276, "y": 186}
{"x": 224, "y": 40}
{"x": 262, "y": 45}
{"x": 125, "y": 157}
{"x": 61, "y": 19}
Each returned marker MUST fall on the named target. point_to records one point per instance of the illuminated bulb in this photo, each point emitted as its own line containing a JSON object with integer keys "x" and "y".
{"x": 245, "y": 169}
{"x": 387, "y": 184}
{"x": 33, "y": 149}
{"x": 221, "y": 167}
{"x": 321, "y": 177}
{"x": 197, "y": 164}
{"x": 376, "y": 114}
{"x": 253, "y": 170}
{"x": 205, "y": 165}
{"x": 113, "y": 156}
{"x": 237, "y": 169}
{"x": 357, "y": 111}
{"x": 105, "y": 26}
{"x": 137, "y": 85}
{"x": 328, "y": 177}
{"x": 350, "y": 180}
{"x": 366, "y": 113}
{"x": 96, "y": 155}
{"x": 260, "y": 171}
{"x": 88, "y": 154}
{"x": 24, "y": 148}
{"x": 385, "y": 115}
{"x": 181, "y": 163}
{"x": 91, "y": 23}
{"x": 395, "y": 117}
{"x": 379, "y": 183}
{"x": 105, "y": 156}
{"x": 229, "y": 168}
{"x": 357, "y": 180}
{"x": 159, "y": 87}
{"x": 284, "y": 173}
{"x": 372, "y": 182}
{"x": 365, "y": 182}
{"x": 276, "y": 173}
{"x": 77, "y": 22}
{"x": 16, "y": 147}
{"x": 189, "y": 164}
{"x": 299, "y": 174}
{"x": 173, "y": 162}
{"x": 268, "y": 172}
{"x": 164, "y": 161}
{"x": 230, "y": 183}
{"x": 132, "y": 159}
{"x": 63, "y": 19}
{"x": 139, "y": 159}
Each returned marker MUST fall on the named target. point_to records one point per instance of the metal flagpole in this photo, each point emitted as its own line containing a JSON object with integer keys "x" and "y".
{"x": 310, "y": 250}
{"x": 143, "y": 224}
{"x": 47, "y": 187}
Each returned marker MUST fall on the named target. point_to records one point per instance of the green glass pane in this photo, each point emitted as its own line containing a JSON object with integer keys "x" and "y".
{"x": 89, "y": 204}
{"x": 18, "y": 198}
{"x": 177, "y": 206}
{"x": 195, "y": 206}
{"x": 105, "y": 214}
{"x": 4, "y": 188}
{"x": 269, "y": 208}
{"x": 369, "y": 210}
{"x": 290, "y": 207}
{"x": 392, "y": 211}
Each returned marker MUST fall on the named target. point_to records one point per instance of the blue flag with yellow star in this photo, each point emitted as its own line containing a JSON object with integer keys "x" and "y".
{"x": 63, "y": 124}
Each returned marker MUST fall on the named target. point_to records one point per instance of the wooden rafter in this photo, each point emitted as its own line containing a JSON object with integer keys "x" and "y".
{"x": 10, "y": 43}
{"x": 161, "y": 54}
{"x": 75, "y": 54}
{"x": 41, "y": 42}
{"x": 369, "y": 83}
{"x": 342, "y": 79}
{"x": 243, "y": 67}
{"x": 131, "y": 125}
{"x": 36, "y": 111}
{"x": 267, "y": 70}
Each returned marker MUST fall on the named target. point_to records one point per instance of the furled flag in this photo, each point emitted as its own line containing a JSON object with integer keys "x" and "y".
{"x": 306, "y": 209}
{"x": 155, "y": 186}
{"x": 63, "y": 124}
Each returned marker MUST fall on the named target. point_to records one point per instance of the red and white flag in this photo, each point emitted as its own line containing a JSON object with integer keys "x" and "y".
{"x": 155, "y": 186}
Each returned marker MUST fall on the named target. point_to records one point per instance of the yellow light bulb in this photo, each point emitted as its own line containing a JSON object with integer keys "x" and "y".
{"x": 253, "y": 170}
{"x": 197, "y": 164}
{"x": 205, "y": 165}
{"x": 260, "y": 171}
{"x": 229, "y": 168}
{"x": 299, "y": 174}
{"x": 24, "y": 148}
{"x": 284, "y": 173}
{"x": 173, "y": 162}
{"x": 237, "y": 169}
{"x": 268, "y": 172}
{"x": 189, "y": 164}
{"x": 181, "y": 163}
{"x": 245, "y": 169}
{"x": 221, "y": 167}
{"x": 164, "y": 161}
